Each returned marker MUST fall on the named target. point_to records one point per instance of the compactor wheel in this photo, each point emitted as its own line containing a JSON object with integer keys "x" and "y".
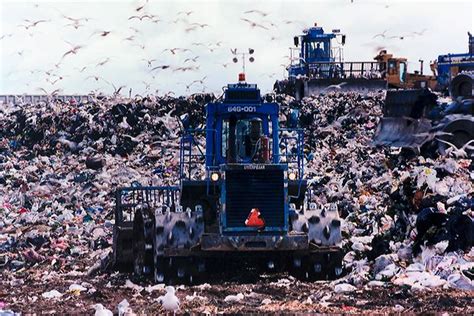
{"x": 143, "y": 243}
{"x": 180, "y": 270}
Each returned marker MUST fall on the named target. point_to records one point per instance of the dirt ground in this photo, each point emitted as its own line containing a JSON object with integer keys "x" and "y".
{"x": 276, "y": 293}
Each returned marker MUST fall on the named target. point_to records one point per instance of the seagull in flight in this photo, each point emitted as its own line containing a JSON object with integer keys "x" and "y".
{"x": 103, "y": 62}
{"x": 264, "y": 14}
{"x": 73, "y": 50}
{"x": 380, "y": 34}
{"x": 191, "y": 59}
{"x": 149, "y": 61}
{"x": 188, "y": 13}
{"x": 420, "y": 33}
{"x": 101, "y": 33}
{"x": 254, "y": 24}
{"x": 33, "y": 23}
{"x": 141, "y": 17}
{"x": 162, "y": 67}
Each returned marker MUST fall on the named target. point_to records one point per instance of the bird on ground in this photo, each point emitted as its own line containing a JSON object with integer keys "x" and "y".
{"x": 100, "y": 310}
{"x": 254, "y": 24}
{"x": 256, "y": 11}
{"x": 169, "y": 301}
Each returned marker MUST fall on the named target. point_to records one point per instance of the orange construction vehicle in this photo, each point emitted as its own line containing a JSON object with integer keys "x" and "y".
{"x": 394, "y": 70}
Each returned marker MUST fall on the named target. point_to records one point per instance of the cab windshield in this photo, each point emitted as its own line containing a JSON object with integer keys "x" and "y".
{"x": 241, "y": 139}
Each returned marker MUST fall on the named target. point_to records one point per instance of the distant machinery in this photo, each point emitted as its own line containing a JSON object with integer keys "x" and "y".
{"x": 317, "y": 65}
{"x": 450, "y": 65}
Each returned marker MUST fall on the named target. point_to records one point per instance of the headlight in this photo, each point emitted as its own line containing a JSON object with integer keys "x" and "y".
{"x": 292, "y": 176}
{"x": 214, "y": 176}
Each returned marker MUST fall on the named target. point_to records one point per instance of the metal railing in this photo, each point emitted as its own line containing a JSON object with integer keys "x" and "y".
{"x": 191, "y": 154}
{"x": 127, "y": 200}
{"x": 345, "y": 70}
{"x": 36, "y": 98}
{"x": 291, "y": 144}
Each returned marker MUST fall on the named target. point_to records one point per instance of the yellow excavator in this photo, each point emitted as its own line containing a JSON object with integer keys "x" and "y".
{"x": 395, "y": 71}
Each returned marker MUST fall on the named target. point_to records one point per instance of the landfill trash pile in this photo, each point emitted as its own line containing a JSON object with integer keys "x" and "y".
{"x": 408, "y": 221}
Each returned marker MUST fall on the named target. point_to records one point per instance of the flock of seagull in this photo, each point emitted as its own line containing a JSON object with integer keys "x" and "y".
{"x": 138, "y": 16}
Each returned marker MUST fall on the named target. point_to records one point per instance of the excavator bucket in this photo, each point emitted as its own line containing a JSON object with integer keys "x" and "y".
{"x": 402, "y": 132}
{"x": 404, "y": 123}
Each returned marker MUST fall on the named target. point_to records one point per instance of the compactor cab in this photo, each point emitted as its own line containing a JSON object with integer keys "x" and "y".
{"x": 241, "y": 197}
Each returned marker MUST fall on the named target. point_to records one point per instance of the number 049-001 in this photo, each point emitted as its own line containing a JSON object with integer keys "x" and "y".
{"x": 242, "y": 109}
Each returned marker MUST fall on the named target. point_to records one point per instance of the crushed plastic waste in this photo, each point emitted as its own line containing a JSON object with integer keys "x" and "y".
{"x": 52, "y": 294}
{"x": 234, "y": 298}
{"x": 344, "y": 288}
{"x": 124, "y": 308}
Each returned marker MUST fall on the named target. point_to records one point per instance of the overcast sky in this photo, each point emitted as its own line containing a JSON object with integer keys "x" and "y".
{"x": 27, "y": 55}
